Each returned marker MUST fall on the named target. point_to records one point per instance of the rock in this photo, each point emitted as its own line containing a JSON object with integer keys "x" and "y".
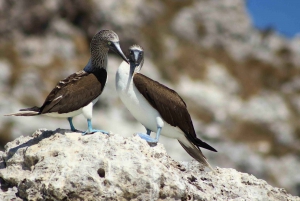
{"x": 58, "y": 165}
{"x": 241, "y": 85}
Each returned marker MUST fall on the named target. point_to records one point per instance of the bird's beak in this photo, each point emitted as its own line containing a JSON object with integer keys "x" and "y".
{"x": 117, "y": 49}
{"x": 136, "y": 58}
{"x": 132, "y": 67}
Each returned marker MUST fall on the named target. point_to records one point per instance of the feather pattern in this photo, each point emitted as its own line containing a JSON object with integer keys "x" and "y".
{"x": 78, "y": 93}
{"x": 70, "y": 94}
{"x": 75, "y": 92}
{"x": 170, "y": 105}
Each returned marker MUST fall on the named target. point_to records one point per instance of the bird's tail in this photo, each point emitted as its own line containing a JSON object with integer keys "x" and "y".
{"x": 202, "y": 144}
{"x": 26, "y": 112}
{"x": 194, "y": 152}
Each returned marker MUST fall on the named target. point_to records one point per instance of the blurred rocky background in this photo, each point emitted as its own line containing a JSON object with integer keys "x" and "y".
{"x": 241, "y": 84}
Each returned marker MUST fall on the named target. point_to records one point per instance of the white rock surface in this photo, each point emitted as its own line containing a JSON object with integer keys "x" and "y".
{"x": 42, "y": 42}
{"x": 57, "y": 165}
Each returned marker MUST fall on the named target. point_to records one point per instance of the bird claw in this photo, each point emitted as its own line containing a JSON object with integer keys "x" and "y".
{"x": 94, "y": 131}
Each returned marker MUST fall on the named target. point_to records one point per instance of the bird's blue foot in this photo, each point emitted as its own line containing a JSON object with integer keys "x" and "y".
{"x": 90, "y": 129}
{"x": 147, "y": 137}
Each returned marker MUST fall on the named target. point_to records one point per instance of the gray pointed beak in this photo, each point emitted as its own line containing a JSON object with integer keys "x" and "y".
{"x": 136, "y": 58}
{"x": 132, "y": 67}
{"x": 117, "y": 49}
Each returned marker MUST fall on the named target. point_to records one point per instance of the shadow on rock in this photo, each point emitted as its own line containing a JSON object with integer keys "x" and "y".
{"x": 36, "y": 137}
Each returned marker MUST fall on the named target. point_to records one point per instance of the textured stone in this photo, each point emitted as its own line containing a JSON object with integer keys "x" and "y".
{"x": 42, "y": 42}
{"x": 58, "y": 165}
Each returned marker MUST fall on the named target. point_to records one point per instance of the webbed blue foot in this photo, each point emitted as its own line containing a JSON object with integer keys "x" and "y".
{"x": 90, "y": 129}
{"x": 147, "y": 137}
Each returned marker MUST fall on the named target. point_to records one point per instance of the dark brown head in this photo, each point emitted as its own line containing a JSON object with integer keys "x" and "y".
{"x": 101, "y": 43}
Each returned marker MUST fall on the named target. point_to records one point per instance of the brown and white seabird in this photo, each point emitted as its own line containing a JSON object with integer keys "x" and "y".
{"x": 157, "y": 107}
{"x": 78, "y": 93}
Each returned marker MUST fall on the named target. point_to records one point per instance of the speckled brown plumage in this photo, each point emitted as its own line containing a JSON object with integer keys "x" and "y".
{"x": 78, "y": 93}
{"x": 80, "y": 87}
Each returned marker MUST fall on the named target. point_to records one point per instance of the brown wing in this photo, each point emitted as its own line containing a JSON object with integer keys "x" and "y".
{"x": 169, "y": 105}
{"x": 75, "y": 92}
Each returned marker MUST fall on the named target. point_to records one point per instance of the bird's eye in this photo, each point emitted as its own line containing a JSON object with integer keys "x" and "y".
{"x": 109, "y": 43}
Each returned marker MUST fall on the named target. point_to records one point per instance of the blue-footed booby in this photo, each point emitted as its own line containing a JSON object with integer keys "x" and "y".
{"x": 157, "y": 107}
{"x": 78, "y": 93}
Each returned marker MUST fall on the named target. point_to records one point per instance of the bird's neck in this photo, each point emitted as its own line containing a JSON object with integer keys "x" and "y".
{"x": 96, "y": 63}
{"x": 98, "y": 58}
{"x": 123, "y": 77}
{"x": 99, "y": 61}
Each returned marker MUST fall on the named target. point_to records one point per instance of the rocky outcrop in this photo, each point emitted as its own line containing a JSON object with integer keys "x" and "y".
{"x": 58, "y": 165}
{"x": 241, "y": 85}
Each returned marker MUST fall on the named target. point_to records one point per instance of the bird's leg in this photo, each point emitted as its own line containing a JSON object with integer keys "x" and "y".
{"x": 144, "y": 135}
{"x": 71, "y": 124}
{"x": 148, "y": 138}
{"x": 148, "y": 131}
{"x": 91, "y": 130}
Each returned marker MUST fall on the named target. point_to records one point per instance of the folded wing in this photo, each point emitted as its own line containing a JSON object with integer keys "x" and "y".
{"x": 170, "y": 106}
